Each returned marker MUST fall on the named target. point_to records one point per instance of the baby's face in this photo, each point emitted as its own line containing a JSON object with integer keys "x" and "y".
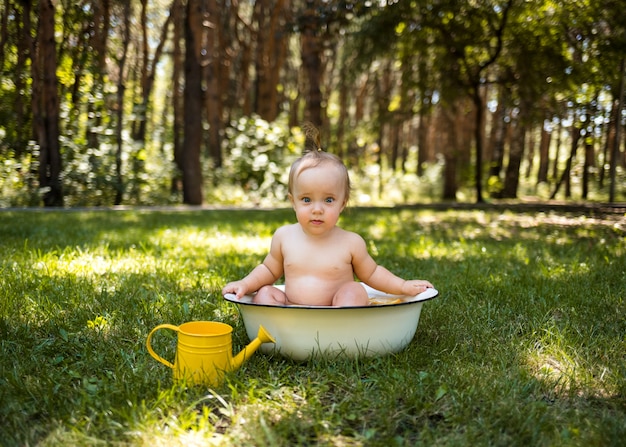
{"x": 319, "y": 197}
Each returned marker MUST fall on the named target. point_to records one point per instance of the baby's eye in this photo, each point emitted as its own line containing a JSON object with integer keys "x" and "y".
{"x": 306, "y": 199}
{"x": 330, "y": 199}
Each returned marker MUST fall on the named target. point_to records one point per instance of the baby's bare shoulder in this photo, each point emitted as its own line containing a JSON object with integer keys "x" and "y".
{"x": 350, "y": 238}
{"x": 285, "y": 232}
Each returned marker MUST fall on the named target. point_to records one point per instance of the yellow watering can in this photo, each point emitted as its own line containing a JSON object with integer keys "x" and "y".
{"x": 204, "y": 351}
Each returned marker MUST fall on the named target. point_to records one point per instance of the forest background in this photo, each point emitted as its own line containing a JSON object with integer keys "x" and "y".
{"x": 153, "y": 102}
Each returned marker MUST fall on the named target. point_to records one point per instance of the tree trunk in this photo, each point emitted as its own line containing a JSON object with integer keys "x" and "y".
{"x": 424, "y": 148}
{"x": 361, "y": 97}
{"x": 497, "y": 138}
{"x": 311, "y": 53}
{"x": 478, "y": 140}
{"x": 544, "y": 154}
{"x": 244, "y": 90}
{"x": 448, "y": 131}
{"x": 212, "y": 62}
{"x": 516, "y": 153}
{"x": 79, "y": 68}
{"x": 557, "y": 149}
{"x": 4, "y": 29}
{"x": 270, "y": 58}
{"x": 618, "y": 125}
{"x": 530, "y": 157}
{"x": 140, "y": 109}
{"x": 395, "y": 127}
{"x": 589, "y": 162}
{"x": 99, "y": 43}
{"x": 178, "y": 13}
{"x": 47, "y": 116}
{"x": 193, "y": 104}
{"x": 25, "y": 49}
{"x": 423, "y": 128}
{"x": 449, "y": 175}
{"x": 344, "y": 112}
{"x": 148, "y": 69}
{"x": 608, "y": 129}
{"x": 119, "y": 182}
{"x": 565, "y": 177}
{"x": 382, "y": 94}
{"x": 423, "y": 131}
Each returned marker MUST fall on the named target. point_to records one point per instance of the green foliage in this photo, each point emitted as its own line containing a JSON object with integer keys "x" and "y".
{"x": 558, "y": 59}
{"x": 524, "y": 345}
{"x": 257, "y": 163}
{"x": 89, "y": 175}
{"x": 18, "y": 180}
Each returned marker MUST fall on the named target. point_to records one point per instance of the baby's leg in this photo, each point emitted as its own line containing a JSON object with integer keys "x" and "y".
{"x": 351, "y": 294}
{"x": 270, "y": 295}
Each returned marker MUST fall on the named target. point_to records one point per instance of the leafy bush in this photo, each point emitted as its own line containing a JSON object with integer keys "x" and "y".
{"x": 18, "y": 180}
{"x": 258, "y": 156}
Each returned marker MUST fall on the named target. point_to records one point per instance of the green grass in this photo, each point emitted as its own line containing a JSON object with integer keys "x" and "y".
{"x": 525, "y": 344}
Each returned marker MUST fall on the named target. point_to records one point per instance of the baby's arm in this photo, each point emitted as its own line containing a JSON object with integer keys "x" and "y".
{"x": 263, "y": 274}
{"x": 378, "y": 277}
{"x": 260, "y": 276}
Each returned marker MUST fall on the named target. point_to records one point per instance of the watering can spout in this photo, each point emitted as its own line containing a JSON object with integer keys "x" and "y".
{"x": 262, "y": 337}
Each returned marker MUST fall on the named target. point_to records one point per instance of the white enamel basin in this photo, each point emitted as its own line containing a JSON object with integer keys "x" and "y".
{"x": 302, "y": 332}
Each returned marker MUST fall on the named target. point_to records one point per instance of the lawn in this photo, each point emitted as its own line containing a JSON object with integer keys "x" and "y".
{"x": 525, "y": 345}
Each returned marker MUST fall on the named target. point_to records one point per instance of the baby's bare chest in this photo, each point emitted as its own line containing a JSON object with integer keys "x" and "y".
{"x": 329, "y": 259}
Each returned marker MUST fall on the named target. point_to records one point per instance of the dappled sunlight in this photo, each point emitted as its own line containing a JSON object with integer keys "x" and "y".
{"x": 285, "y": 416}
{"x": 212, "y": 420}
{"x": 269, "y": 410}
{"x": 168, "y": 435}
{"x": 89, "y": 264}
{"x": 185, "y": 239}
{"x": 192, "y": 252}
{"x": 555, "y": 363}
{"x": 201, "y": 422}
{"x": 266, "y": 419}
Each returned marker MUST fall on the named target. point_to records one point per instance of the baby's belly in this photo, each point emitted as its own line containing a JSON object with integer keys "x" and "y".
{"x": 312, "y": 291}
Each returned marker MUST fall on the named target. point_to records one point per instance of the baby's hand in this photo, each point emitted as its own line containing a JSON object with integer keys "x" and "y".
{"x": 415, "y": 286}
{"x": 236, "y": 287}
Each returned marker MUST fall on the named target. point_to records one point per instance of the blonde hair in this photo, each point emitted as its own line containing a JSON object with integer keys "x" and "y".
{"x": 314, "y": 156}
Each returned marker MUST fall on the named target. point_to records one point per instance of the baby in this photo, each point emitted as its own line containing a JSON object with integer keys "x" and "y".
{"x": 318, "y": 259}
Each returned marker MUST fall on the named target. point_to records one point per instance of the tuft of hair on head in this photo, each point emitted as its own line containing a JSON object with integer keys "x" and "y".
{"x": 311, "y": 138}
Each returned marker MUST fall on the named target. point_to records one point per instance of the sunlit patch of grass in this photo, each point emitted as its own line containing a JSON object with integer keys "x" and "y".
{"x": 554, "y": 364}
{"x": 199, "y": 424}
{"x": 197, "y": 240}
{"x": 94, "y": 264}
{"x": 563, "y": 375}
{"x": 565, "y": 371}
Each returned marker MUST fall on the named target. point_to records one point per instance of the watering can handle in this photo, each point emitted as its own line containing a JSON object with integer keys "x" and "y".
{"x": 156, "y": 356}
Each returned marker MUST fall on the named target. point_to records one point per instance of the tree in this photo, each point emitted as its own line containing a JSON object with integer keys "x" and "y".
{"x": 474, "y": 35}
{"x": 46, "y": 106}
{"x": 119, "y": 193}
{"x": 177, "y": 100}
{"x": 270, "y": 36}
{"x": 615, "y": 147}
{"x": 193, "y": 103}
{"x": 148, "y": 68}
{"x": 311, "y": 50}
{"x": 99, "y": 46}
